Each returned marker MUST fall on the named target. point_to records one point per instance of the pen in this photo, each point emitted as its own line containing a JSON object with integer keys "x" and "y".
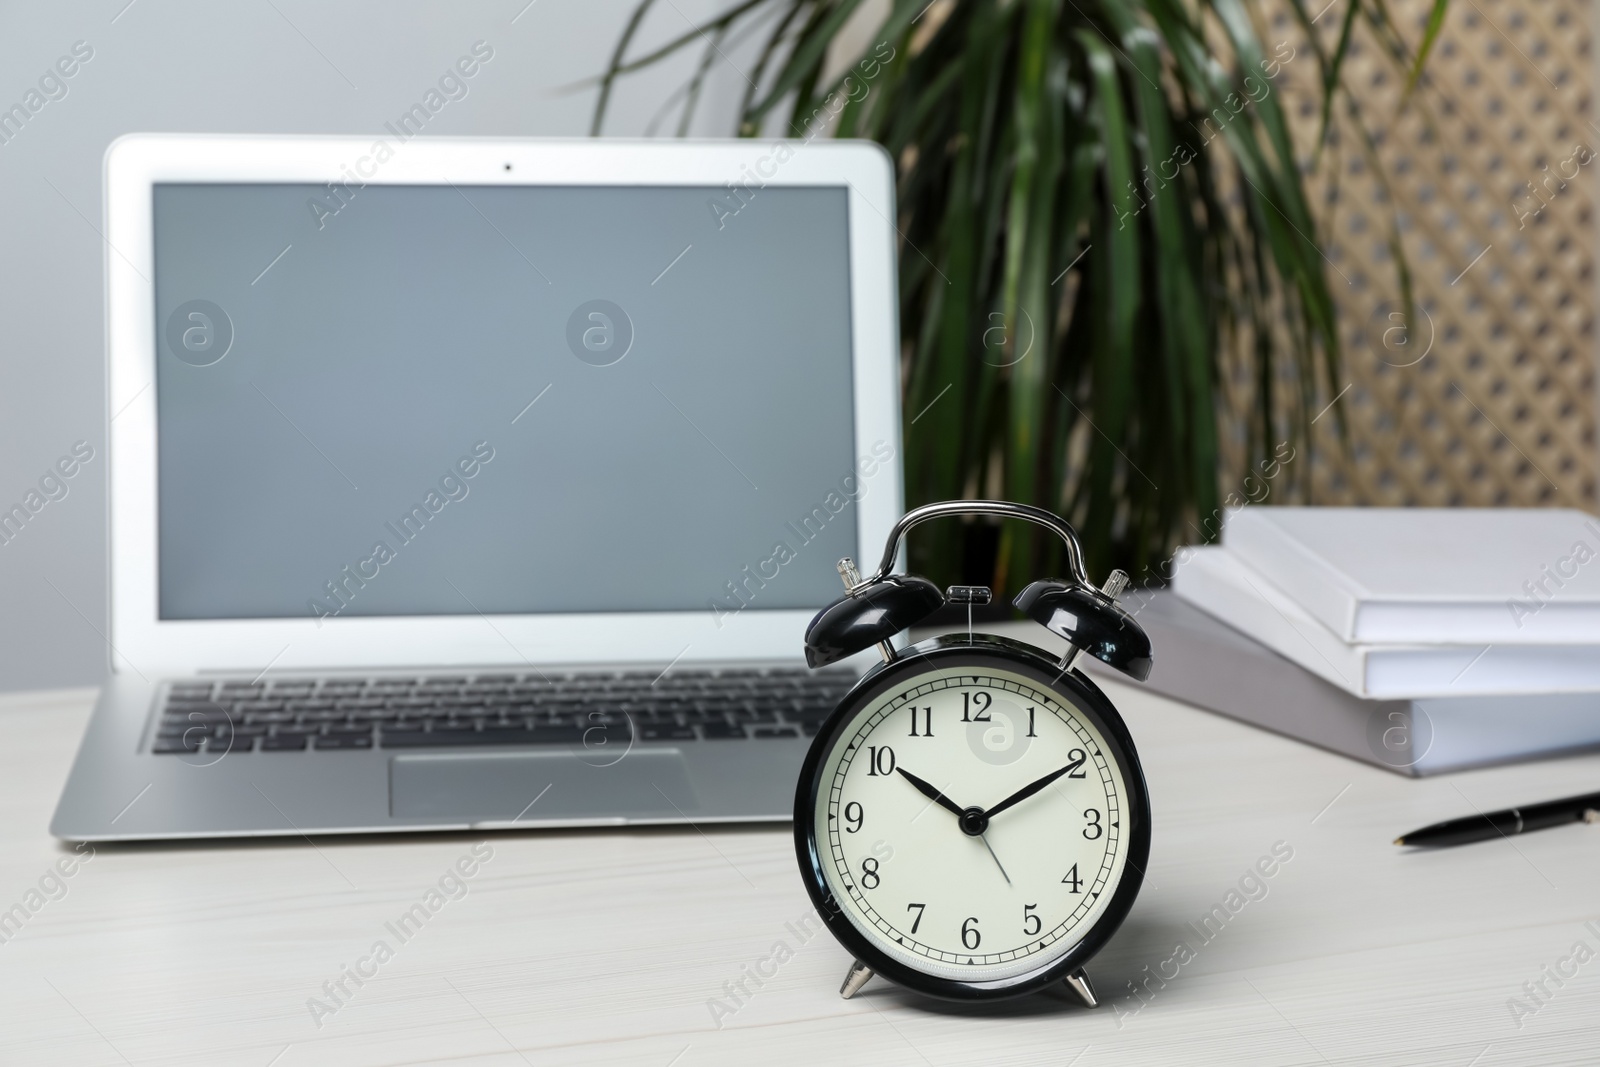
{"x": 1585, "y": 808}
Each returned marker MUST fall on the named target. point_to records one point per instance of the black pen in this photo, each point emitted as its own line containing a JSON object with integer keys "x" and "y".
{"x": 1585, "y": 808}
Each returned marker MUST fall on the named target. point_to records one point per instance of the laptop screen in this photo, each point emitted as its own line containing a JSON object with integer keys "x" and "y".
{"x": 443, "y": 400}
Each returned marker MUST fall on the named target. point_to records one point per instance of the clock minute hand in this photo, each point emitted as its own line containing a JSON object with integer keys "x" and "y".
{"x": 931, "y": 791}
{"x": 1027, "y": 791}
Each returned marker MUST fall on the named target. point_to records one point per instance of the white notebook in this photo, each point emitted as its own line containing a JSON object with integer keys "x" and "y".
{"x": 1201, "y": 660}
{"x": 1218, "y": 582}
{"x": 1431, "y": 575}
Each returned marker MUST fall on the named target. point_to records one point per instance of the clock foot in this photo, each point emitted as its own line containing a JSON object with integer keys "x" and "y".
{"x": 1078, "y": 982}
{"x": 859, "y": 973}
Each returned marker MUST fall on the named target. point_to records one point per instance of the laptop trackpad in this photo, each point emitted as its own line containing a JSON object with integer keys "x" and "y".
{"x": 485, "y": 787}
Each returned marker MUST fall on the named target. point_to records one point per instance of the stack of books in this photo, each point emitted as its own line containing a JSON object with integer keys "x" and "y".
{"x": 1423, "y": 640}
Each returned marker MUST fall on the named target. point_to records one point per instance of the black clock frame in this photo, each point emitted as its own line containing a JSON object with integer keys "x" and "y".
{"x": 962, "y": 650}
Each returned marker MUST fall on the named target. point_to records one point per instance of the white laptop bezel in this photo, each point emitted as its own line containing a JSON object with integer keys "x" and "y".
{"x": 151, "y": 646}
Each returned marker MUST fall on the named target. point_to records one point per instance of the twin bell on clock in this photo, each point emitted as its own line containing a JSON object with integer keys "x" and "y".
{"x": 971, "y": 820}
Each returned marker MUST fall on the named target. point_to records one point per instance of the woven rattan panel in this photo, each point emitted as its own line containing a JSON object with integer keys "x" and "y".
{"x": 1489, "y": 397}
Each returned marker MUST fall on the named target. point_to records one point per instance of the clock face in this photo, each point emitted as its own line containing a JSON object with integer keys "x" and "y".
{"x": 971, "y": 823}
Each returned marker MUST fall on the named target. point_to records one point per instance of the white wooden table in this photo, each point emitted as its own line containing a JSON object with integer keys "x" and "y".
{"x": 617, "y": 947}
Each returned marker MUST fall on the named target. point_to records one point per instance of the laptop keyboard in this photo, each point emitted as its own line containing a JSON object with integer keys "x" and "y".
{"x": 595, "y": 710}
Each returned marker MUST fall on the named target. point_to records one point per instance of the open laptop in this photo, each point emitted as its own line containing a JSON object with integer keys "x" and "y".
{"x": 480, "y": 483}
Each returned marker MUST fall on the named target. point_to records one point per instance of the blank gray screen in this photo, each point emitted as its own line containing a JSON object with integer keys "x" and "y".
{"x": 413, "y": 400}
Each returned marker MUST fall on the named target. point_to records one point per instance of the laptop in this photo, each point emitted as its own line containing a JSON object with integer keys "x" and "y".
{"x": 480, "y": 483}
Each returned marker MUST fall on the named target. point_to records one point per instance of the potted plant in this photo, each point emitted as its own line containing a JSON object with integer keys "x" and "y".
{"x": 1099, "y": 199}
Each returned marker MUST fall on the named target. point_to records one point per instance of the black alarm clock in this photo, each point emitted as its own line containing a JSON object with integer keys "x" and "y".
{"x": 971, "y": 820}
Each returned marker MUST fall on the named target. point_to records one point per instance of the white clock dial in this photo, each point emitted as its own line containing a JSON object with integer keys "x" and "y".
{"x": 913, "y": 876}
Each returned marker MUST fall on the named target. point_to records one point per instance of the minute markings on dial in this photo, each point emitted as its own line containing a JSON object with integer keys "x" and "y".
{"x": 871, "y": 717}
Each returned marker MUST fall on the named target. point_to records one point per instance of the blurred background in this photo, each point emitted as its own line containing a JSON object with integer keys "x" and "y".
{"x": 1478, "y": 391}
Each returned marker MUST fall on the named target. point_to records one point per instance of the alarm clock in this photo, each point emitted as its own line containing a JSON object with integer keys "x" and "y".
{"x": 971, "y": 821}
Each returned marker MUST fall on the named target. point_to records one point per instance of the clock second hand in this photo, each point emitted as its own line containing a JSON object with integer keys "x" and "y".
{"x": 985, "y": 839}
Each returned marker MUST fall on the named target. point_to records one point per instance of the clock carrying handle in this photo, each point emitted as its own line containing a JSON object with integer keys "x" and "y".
{"x": 1002, "y": 508}
{"x": 875, "y": 609}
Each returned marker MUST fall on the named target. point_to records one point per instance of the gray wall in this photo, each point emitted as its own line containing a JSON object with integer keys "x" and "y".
{"x": 268, "y": 66}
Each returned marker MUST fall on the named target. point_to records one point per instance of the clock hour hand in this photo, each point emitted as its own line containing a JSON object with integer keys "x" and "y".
{"x": 931, "y": 791}
{"x": 1028, "y": 790}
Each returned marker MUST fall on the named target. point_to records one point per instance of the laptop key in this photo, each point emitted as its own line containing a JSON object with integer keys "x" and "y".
{"x": 666, "y": 732}
{"x": 205, "y": 714}
{"x": 283, "y": 743}
{"x": 557, "y": 735}
{"x": 520, "y": 721}
{"x": 453, "y": 738}
{"x": 167, "y": 745}
{"x": 344, "y": 741}
{"x": 719, "y": 731}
